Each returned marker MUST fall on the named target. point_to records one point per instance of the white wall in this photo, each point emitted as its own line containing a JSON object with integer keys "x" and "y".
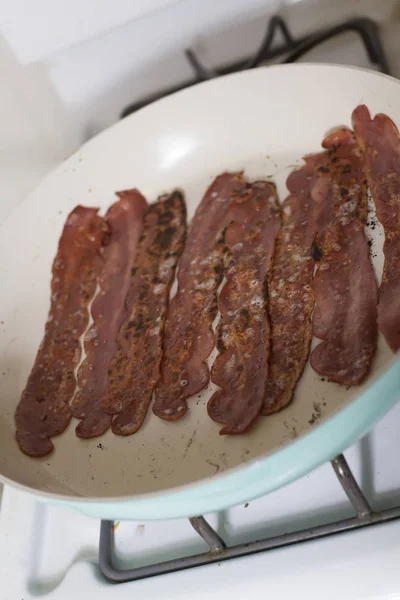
{"x": 36, "y": 28}
{"x": 33, "y": 129}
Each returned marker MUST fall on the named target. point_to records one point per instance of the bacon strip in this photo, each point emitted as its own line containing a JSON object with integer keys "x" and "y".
{"x": 241, "y": 368}
{"x": 135, "y": 367}
{"x": 189, "y": 338}
{"x": 344, "y": 284}
{"x": 291, "y": 298}
{"x": 125, "y": 219}
{"x": 43, "y": 411}
{"x": 380, "y": 143}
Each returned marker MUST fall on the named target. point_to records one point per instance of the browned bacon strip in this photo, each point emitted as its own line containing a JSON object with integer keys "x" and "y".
{"x": 189, "y": 338}
{"x": 380, "y": 143}
{"x": 125, "y": 219}
{"x": 135, "y": 367}
{"x": 241, "y": 368}
{"x": 344, "y": 284}
{"x": 43, "y": 411}
{"x": 291, "y": 298}
{"x": 346, "y": 298}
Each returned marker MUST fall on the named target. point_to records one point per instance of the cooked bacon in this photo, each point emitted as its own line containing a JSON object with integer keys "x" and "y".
{"x": 189, "y": 338}
{"x": 344, "y": 284}
{"x": 291, "y": 297}
{"x": 380, "y": 143}
{"x": 125, "y": 219}
{"x": 135, "y": 367}
{"x": 346, "y": 304}
{"x": 241, "y": 368}
{"x": 43, "y": 411}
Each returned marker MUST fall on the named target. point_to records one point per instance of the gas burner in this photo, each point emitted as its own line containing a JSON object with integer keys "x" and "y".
{"x": 291, "y": 49}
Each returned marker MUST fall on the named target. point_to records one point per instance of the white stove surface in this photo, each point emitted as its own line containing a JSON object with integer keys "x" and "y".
{"x": 51, "y": 552}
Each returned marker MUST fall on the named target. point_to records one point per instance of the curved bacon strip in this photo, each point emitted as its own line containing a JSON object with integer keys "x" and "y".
{"x": 344, "y": 284}
{"x": 125, "y": 219}
{"x": 346, "y": 300}
{"x": 189, "y": 338}
{"x": 291, "y": 298}
{"x": 380, "y": 143}
{"x": 241, "y": 368}
{"x": 43, "y": 411}
{"x": 135, "y": 367}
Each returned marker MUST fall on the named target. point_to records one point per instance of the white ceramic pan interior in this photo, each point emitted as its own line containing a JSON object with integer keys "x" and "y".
{"x": 262, "y": 121}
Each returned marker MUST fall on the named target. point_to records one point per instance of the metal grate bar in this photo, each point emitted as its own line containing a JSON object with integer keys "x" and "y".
{"x": 292, "y": 48}
{"x": 366, "y": 29}
{"x": 351, "y": 487}
{"x": 218, "y": 551}
{"x": 211, "y": 537}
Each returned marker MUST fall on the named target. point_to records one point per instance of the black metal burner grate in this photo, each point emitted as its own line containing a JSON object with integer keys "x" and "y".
{"x": 292, "y": 49}
{"x": 218, "y": 551}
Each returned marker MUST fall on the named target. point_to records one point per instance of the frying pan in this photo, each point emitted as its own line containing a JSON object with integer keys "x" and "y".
{"x": 262, "y": 121}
